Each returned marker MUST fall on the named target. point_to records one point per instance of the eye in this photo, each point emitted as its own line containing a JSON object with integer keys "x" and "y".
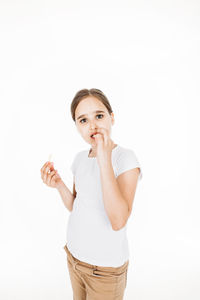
{"x": 82, "y": 120}
{"x": 100, "y": 115}
{"x": 96, "y": 115}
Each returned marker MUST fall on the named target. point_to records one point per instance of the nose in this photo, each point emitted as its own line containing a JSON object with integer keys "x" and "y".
{"x": 92, "y": 125}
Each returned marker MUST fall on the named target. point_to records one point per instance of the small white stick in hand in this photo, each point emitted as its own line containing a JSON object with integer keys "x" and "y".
{"x": 50, "y": 157}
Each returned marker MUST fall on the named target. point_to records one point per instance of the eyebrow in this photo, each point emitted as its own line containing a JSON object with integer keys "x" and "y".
{"x": 96, "y": 111}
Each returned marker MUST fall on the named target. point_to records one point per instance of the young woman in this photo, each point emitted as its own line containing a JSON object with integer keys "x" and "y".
{"x": 105, "y": 180}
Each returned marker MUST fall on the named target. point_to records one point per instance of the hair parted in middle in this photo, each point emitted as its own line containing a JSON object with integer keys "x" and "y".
{"x": 80, "y": 95}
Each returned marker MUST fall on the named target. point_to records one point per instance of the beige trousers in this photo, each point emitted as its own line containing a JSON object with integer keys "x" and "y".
{"x": 91, "y": 282}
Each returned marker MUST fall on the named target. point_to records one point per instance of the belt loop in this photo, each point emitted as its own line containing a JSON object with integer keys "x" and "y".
{"x": 74, "y": 264}
{"x": 93, "y": 271}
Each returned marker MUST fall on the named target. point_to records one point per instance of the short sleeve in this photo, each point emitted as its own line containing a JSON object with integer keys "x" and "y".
{"x": 74, "y": 164}
{"x": 127, "y": 160}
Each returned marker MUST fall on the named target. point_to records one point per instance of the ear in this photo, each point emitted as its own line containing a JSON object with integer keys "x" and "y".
{"x": 112, "y": 118}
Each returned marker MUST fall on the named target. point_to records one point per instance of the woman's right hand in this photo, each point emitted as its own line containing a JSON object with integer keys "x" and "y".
{"x": 50, "y": 176}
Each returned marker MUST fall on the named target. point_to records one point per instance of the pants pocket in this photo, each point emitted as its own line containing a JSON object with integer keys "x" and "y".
{"x": 111, "y": 272}
{"x": 106, "y": 273}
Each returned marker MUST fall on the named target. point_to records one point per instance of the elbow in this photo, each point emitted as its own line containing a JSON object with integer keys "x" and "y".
{"x": 120, "y": 225}
{"x": 117, "y": 227}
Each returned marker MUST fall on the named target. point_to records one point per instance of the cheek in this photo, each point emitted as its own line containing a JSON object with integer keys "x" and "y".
{"x": 80, "y": 131}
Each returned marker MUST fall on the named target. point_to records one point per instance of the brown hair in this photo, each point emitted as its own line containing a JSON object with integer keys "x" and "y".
{"x": 80, "y": 95}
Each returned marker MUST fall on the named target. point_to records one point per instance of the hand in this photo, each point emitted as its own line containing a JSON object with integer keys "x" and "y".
{"x": 104, "y": 146}
{"x": 50, "y": 176}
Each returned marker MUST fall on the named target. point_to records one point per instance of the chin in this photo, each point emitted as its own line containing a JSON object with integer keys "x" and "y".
{"x": 91, "y": 142}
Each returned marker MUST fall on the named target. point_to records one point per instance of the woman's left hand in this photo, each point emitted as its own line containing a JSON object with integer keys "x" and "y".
{"x": 104, "y": 146}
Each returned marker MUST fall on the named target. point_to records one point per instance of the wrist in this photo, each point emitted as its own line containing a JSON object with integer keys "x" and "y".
{"x": 60, "y": 186}
{"x": 105, "y": 163}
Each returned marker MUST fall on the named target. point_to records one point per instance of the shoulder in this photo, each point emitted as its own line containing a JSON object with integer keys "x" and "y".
{"x": 125, "y": 159}
{"x": 79, "y": 154}
{"x": 122, "y": 152}
{"x": 77, "y": 158}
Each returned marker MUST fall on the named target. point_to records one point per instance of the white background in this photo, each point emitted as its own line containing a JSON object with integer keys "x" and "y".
{"x": 144, "y": 55}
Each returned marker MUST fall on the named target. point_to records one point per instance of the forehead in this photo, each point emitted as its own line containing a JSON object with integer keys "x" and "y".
{"x": 89, "y": 105}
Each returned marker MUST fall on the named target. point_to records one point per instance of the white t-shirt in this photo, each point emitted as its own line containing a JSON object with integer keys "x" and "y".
{"x": 90, "y": 237}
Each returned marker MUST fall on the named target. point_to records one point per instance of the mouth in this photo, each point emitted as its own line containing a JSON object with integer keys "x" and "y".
{"x": 93, "y": 134}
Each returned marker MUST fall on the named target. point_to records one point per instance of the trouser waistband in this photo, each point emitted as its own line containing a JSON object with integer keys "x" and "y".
{"x": 92, "y": 269}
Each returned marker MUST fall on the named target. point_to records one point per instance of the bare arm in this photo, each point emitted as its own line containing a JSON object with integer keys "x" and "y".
{"x": 114, "y": 202}
{"x": 67, "y": 196}
{"x": 51, "y": 178}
